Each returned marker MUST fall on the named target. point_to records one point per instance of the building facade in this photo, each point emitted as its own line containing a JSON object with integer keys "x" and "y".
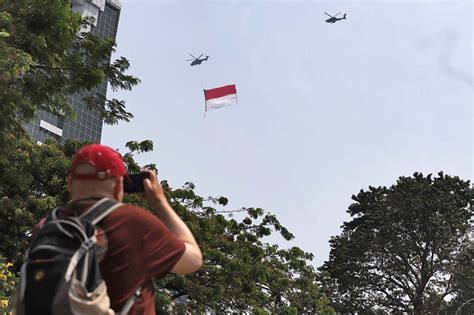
{"x": 87, "y": 126}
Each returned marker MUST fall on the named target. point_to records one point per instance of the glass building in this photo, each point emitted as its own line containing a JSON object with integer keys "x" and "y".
{"x": 87, "y": 126}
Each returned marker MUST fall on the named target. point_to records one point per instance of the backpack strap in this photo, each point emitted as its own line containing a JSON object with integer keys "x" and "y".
{"x": 100, "y": 210}
{"x": 131, "y": 300}
{"x": 97, "y": 213}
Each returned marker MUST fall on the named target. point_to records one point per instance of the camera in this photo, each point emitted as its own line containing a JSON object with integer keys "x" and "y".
{"x": 133, "y": 183}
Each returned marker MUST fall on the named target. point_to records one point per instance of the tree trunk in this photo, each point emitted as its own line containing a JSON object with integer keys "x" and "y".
{"x": 418, "y": 307}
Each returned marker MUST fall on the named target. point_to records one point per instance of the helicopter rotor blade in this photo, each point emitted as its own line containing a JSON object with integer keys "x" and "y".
{"x": 337, "y": 14}
{"x": 328, "y": 14}
{"x": 199, "y": 56}
{"x": 190, "y": 59}
{"x": 192, "y": 56}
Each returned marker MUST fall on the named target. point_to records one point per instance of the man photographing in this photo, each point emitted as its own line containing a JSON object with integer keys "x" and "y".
{"x": 139, "y": 245}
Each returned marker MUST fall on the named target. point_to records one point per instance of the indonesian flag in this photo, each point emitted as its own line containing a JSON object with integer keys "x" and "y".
{"x": 220, "y": 97}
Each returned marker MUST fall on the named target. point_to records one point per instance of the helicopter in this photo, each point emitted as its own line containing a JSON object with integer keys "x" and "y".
{"x": 197, "y": 61}
{"x": 334, "y": 19}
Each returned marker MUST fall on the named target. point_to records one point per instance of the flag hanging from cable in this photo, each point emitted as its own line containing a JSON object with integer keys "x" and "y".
{"x": 220, "y": 97}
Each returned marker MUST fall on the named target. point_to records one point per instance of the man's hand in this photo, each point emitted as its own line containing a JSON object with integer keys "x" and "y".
{"x": 153, "y": 191}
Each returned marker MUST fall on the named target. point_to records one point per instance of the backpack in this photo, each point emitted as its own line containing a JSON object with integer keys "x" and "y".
{"x": 60, "y": 273}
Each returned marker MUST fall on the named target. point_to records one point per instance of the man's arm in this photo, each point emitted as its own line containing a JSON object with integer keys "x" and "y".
{"x": 192, "y": 257}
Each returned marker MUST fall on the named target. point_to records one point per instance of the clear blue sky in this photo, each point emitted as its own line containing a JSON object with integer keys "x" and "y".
{"x": 324, "y": 109}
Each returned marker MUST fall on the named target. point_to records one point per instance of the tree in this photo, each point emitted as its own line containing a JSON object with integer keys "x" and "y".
{"x": 402, "y": 246}
{"x": 463, "y": 281}
{"x": 32, "y": 182}
{"x": 44, "y": 55}
{"x": 240, "y": 273}
{"x": 7, "y": 284}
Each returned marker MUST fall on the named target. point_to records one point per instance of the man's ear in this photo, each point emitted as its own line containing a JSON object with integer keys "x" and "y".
{"x": 118, "y": 189}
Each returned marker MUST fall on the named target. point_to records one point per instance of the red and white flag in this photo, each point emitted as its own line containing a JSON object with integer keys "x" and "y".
{"x": 220, "y": 97}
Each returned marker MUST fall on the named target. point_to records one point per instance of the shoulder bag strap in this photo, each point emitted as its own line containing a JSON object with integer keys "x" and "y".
{"x": 128, "y": 305}
{"x": 100, "y": 210}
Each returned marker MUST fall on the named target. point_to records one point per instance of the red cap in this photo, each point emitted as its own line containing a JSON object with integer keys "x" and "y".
{"x": 107, "y": 162}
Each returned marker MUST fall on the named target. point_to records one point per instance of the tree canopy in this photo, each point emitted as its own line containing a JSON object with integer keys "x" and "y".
{"x": 45, "y": 55}
{"x": 403, "y": 248}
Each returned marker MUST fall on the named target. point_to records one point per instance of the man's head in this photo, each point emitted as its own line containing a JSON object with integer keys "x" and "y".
{"x": 97, "y": 171}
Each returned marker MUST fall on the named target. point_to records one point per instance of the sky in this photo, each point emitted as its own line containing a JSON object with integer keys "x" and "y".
{"x": 324, "y": 110}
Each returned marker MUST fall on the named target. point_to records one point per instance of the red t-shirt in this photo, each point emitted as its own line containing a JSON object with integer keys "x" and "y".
{"x": 139, "y": 248}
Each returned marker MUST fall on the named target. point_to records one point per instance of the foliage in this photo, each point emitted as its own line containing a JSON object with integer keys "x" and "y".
{"x": 7, "y": 285}
{"x": 44, "y": 55}
{"x": 463, "y": 281}
{"x": 241, "y": 272}
{"x": 32, "y": 182}
{"x": 401, "y": 250}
